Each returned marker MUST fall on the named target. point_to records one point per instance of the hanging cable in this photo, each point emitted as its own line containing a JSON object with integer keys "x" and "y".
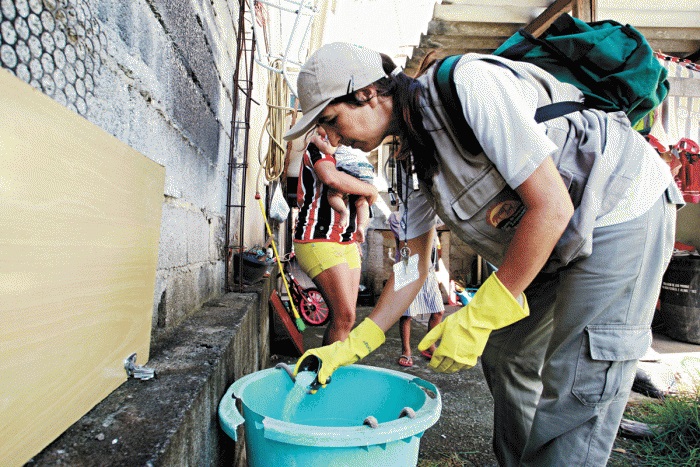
{"x": 278, "y": 66}
{"x": 273, "y": 161}
{"x": 278, "y": 95}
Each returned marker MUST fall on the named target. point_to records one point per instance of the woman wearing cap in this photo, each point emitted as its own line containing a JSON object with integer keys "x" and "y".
{"x": 577, "y": 214}
{"x": 325, "y": 247}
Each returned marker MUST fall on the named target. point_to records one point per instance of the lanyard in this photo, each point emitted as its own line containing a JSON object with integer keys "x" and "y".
{"x": 406, "y": 269}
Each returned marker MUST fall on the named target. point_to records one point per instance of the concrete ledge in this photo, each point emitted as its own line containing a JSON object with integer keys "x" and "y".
{"x": 172, "y": 419}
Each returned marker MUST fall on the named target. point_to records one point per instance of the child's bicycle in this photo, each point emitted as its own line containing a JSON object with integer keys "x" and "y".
{"x": 309, "y": 301}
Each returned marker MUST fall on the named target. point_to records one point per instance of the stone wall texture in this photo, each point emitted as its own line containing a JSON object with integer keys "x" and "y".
{"x": 158, "y": 75}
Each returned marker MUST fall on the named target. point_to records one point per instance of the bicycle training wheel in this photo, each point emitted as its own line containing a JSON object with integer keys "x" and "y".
{"x": 313, "y": 308}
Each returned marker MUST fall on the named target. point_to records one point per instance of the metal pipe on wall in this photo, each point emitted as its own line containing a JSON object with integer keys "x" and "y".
{"x": 241, "y": 50}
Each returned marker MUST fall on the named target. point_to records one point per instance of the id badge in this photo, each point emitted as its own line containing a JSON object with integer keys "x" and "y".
{"x": 405, "y": 271}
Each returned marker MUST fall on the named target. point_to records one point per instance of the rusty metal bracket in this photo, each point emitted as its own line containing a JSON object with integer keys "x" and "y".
{"x": 137, "y": 371}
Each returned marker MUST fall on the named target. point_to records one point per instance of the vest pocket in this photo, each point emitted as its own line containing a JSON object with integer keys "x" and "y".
{"x": 477, "y": 194}
{"x": 607, "y": 360}
{"x": 491, "y": 209}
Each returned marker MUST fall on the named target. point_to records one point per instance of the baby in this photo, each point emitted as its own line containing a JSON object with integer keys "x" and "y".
{"x": 354, "y": 163}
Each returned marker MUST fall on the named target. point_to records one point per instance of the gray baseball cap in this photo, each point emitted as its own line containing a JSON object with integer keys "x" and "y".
{"x": 332, "y": 71}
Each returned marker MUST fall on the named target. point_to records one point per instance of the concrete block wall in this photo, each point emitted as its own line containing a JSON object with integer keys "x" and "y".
{"x": 157, "y": 75}
{"x": 376, "y": 263}
{"x": 460, "y": 259}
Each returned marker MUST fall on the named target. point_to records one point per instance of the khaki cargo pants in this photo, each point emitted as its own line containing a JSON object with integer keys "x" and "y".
{"x": 590, "y": 322}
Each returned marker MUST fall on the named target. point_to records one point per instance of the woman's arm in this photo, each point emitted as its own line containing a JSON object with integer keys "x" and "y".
{"x": 463, "y": 335}
{"x": 340, "y": 181}
{"x": 549, "y": 209}
{"x": 392, "y": 304}
{"x": 344, "y": 183}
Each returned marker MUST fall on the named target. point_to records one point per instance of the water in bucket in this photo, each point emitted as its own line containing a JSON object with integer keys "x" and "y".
{"x": 296, "y": 395}
{"x": 365, "y": 415}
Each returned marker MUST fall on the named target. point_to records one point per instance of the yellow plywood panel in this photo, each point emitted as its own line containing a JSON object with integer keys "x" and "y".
{"x": 79, "y": 228}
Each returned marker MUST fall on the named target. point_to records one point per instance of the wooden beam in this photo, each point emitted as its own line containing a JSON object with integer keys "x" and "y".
{"x": 585, "y": 10}
{"x": 461, "y": 42}
{"x": 500, "y": 13}
{"x": 548, "y": 16}
{"x": 471, "y": 29}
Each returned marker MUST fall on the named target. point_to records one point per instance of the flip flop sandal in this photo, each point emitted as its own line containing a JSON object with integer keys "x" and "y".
{"x": 406, "y": 360}
{"x": 427, "y": 354}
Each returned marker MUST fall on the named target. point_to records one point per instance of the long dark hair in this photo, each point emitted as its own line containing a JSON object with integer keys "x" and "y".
{"x": 414, "y": 139}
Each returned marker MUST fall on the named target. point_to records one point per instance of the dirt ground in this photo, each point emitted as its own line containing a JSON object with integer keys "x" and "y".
{"x": 464, "y": 428}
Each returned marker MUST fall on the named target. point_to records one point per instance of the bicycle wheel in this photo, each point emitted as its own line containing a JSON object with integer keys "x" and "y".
{"x": 313, "y": 308}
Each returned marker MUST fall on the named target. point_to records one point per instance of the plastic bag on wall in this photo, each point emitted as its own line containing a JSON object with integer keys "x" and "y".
{"x": 279, "y": 209}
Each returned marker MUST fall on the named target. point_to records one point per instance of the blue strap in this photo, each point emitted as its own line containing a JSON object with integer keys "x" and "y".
{"x": 447, "y": 91}
{"x": 557, "y": 109}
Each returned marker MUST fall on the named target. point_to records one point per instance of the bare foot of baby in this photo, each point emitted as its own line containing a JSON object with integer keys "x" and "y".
{"x": 360, "y": 236}
{"x": 344, "y": 219}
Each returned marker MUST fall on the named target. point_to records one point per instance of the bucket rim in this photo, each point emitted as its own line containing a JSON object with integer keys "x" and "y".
{"x": 323, "y": 436}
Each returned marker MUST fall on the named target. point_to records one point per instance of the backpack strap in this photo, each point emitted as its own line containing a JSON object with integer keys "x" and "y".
{"x": 557, "y": 109}
{"x": 447, "y": 92}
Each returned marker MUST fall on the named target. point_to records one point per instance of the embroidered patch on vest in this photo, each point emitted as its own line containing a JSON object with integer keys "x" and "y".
{"x": 505, "y": 215}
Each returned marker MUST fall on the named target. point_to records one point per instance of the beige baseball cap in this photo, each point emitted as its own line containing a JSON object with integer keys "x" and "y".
{"x": 332, "y": 71}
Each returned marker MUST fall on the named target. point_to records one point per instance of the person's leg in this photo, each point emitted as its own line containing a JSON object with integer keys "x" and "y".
{"x": 405, "y": 331}
{"x": 335, "y": 270}
{"x": 362, "y": 213}
{"x": 337, "y": 203}
{"x": 434, "y": 320}
{"x": 431, "y": 303}
{"x": 603, "y": 312}
{"x": 339, "y": 286}
{"x": 511, "y": 362}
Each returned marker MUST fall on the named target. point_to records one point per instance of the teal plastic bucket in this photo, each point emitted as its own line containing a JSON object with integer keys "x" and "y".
{"x": 364, "y": 416}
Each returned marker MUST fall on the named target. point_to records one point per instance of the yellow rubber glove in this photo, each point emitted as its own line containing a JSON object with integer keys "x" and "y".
{"x": 464, "y": 334}
{"x": 362, "y": 340}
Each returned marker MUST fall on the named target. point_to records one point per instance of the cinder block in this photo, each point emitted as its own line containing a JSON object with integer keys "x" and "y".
{"x": 173, "y": 240}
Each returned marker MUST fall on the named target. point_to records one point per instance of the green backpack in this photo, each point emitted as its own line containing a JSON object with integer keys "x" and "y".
{"x": 613, "y": 66}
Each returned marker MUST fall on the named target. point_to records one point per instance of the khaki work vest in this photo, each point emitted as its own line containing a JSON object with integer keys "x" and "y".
{"x": 471, "y": 197}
